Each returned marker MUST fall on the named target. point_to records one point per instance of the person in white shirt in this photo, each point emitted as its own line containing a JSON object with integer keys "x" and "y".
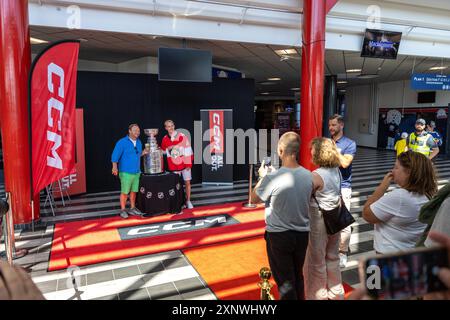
{"x": 441, "y": 222}
{"x": 395, "y": 214}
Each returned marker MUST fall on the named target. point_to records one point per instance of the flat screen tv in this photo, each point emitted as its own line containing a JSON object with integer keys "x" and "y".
{"x": 184, "y": 65}
{"x": 381, "y": 44}
{"x": 426, "y": 97}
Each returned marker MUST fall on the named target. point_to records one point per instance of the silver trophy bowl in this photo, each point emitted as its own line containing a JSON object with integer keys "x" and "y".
{"x": 151, "y": 132}
{"x": 153, "y": 161}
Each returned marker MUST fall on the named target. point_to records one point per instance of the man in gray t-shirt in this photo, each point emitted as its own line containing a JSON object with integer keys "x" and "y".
{"x": 286, "y": 193}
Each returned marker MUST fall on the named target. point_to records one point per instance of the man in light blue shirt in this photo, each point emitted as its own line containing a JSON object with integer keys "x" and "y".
{"x": 347, "y": 148}
{"x": 126, "y": 163}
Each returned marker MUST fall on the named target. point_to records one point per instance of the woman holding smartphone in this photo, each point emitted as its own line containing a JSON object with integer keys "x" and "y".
{"x": 321, "y": 269}
{"x": 395, "y": 214}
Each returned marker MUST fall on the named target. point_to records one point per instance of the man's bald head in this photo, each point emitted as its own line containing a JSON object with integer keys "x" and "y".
{"x": 290, "y": 143}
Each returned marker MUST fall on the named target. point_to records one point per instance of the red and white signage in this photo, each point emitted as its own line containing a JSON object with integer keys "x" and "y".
{"x": 215, "y": 123}
{"x": 53, "y": 94}
{"x": 75, "y": 183}
{"x": 216, "y": 131}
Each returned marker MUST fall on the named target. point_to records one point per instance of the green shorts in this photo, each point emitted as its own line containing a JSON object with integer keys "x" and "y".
{"x": 129, "y": 182}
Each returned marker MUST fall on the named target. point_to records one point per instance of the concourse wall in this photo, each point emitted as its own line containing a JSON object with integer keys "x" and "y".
{"x": 111, "y": 101}
{"x": 396, "y": 94}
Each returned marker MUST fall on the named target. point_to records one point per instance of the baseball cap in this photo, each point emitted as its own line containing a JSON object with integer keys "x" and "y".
{"x": 432, "y": 124}
{"x": 404, "y": 135}
{"x": 421, "y": 121}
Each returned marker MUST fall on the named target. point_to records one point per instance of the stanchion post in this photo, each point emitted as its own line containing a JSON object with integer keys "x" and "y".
{"x": 249, "y": 204}
{"x": 5, "y": 232}
{"x": 265, "y": 285}
{"x": 32, "y": 215}
{"x": 12, "y": 252}
{"x": 9, "y": 237}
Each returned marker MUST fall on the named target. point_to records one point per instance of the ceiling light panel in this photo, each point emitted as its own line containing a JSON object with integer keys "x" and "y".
{"x": 283, "y": 52}
{"x": 438, "y": 68}
{"x": 37, "y": 41}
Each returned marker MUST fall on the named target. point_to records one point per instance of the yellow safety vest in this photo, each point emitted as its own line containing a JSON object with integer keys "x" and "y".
{"x": 419, "y": 143}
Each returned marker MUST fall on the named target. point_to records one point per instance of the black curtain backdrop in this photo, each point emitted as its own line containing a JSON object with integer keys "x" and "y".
{"x": 112, "y": 101}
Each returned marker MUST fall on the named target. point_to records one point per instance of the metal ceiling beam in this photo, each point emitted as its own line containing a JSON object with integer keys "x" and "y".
{"x": 223, "y": 20}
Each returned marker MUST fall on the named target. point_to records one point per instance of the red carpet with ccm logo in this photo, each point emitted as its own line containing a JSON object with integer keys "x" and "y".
{"x": 231, "y": 269}
{"x": 94, "y": 241}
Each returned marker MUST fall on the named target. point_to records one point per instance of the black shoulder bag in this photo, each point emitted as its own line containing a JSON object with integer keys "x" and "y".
{"x": 338, "y": 218}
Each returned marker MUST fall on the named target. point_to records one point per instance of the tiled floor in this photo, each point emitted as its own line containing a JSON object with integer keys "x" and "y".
{"x": 159, "y": 276}
{"x": 169, "y": 275}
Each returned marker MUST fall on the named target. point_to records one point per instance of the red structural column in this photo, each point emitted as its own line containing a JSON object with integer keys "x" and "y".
{"x": 15, "y": 61}
{"x": 313, "y": 54}
{"x": 312, "y": 82}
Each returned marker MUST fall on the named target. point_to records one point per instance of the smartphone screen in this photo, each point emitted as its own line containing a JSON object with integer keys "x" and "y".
{"x": 405, "y": 275}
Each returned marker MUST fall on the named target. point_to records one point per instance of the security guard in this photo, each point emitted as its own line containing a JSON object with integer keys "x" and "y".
{"x": 421, "y": 141}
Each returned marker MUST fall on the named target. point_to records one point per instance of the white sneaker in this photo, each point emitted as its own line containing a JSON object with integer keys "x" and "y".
{"x": 342, "y": 260}
{"x": 189, "y": 205}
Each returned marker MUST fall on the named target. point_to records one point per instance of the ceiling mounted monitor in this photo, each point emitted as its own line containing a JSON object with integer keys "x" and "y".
{"x": 184, "y": 65}
{"x": 381, "y": 44}
{"x": 426, "y": 97}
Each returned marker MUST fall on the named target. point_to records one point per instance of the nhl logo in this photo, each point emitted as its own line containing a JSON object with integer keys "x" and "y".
{"x": 142, "y": 190}
{"x": 149, "y": 195}
{"x": 171, "y": 192}
{"x": 160, "y": 195}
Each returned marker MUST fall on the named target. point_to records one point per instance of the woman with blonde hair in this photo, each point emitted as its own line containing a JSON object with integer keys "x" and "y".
{"x": 395, "y": 214}
{"x": 322, "y": 274}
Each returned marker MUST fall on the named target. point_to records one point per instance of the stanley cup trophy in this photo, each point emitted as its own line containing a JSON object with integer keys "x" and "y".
{"x": 153, "y": 161}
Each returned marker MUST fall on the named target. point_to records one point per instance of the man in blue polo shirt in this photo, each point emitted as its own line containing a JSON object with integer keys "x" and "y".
{"x": 431, "y": 129}
{"x": 126, "y": 163}
{"x": 347, "y": 147}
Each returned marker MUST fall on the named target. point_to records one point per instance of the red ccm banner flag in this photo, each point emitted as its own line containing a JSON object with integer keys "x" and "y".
{"x": 52, "y": 107}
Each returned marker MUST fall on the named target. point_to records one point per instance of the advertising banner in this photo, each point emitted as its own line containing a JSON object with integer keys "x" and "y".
{"x": 75, "y": 183}
{"x": 423, "y": 81}
{"x": 214, "y": 125}
{"x": 52, "y": 112}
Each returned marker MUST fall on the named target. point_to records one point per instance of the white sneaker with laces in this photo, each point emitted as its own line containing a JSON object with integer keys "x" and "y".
{"x": 189, "y": 205}
{"x": 342, "y": 260}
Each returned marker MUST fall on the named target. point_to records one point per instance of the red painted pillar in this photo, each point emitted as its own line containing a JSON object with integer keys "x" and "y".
{"x": 15, "y": 61}
{"x": 313, "y": 60}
